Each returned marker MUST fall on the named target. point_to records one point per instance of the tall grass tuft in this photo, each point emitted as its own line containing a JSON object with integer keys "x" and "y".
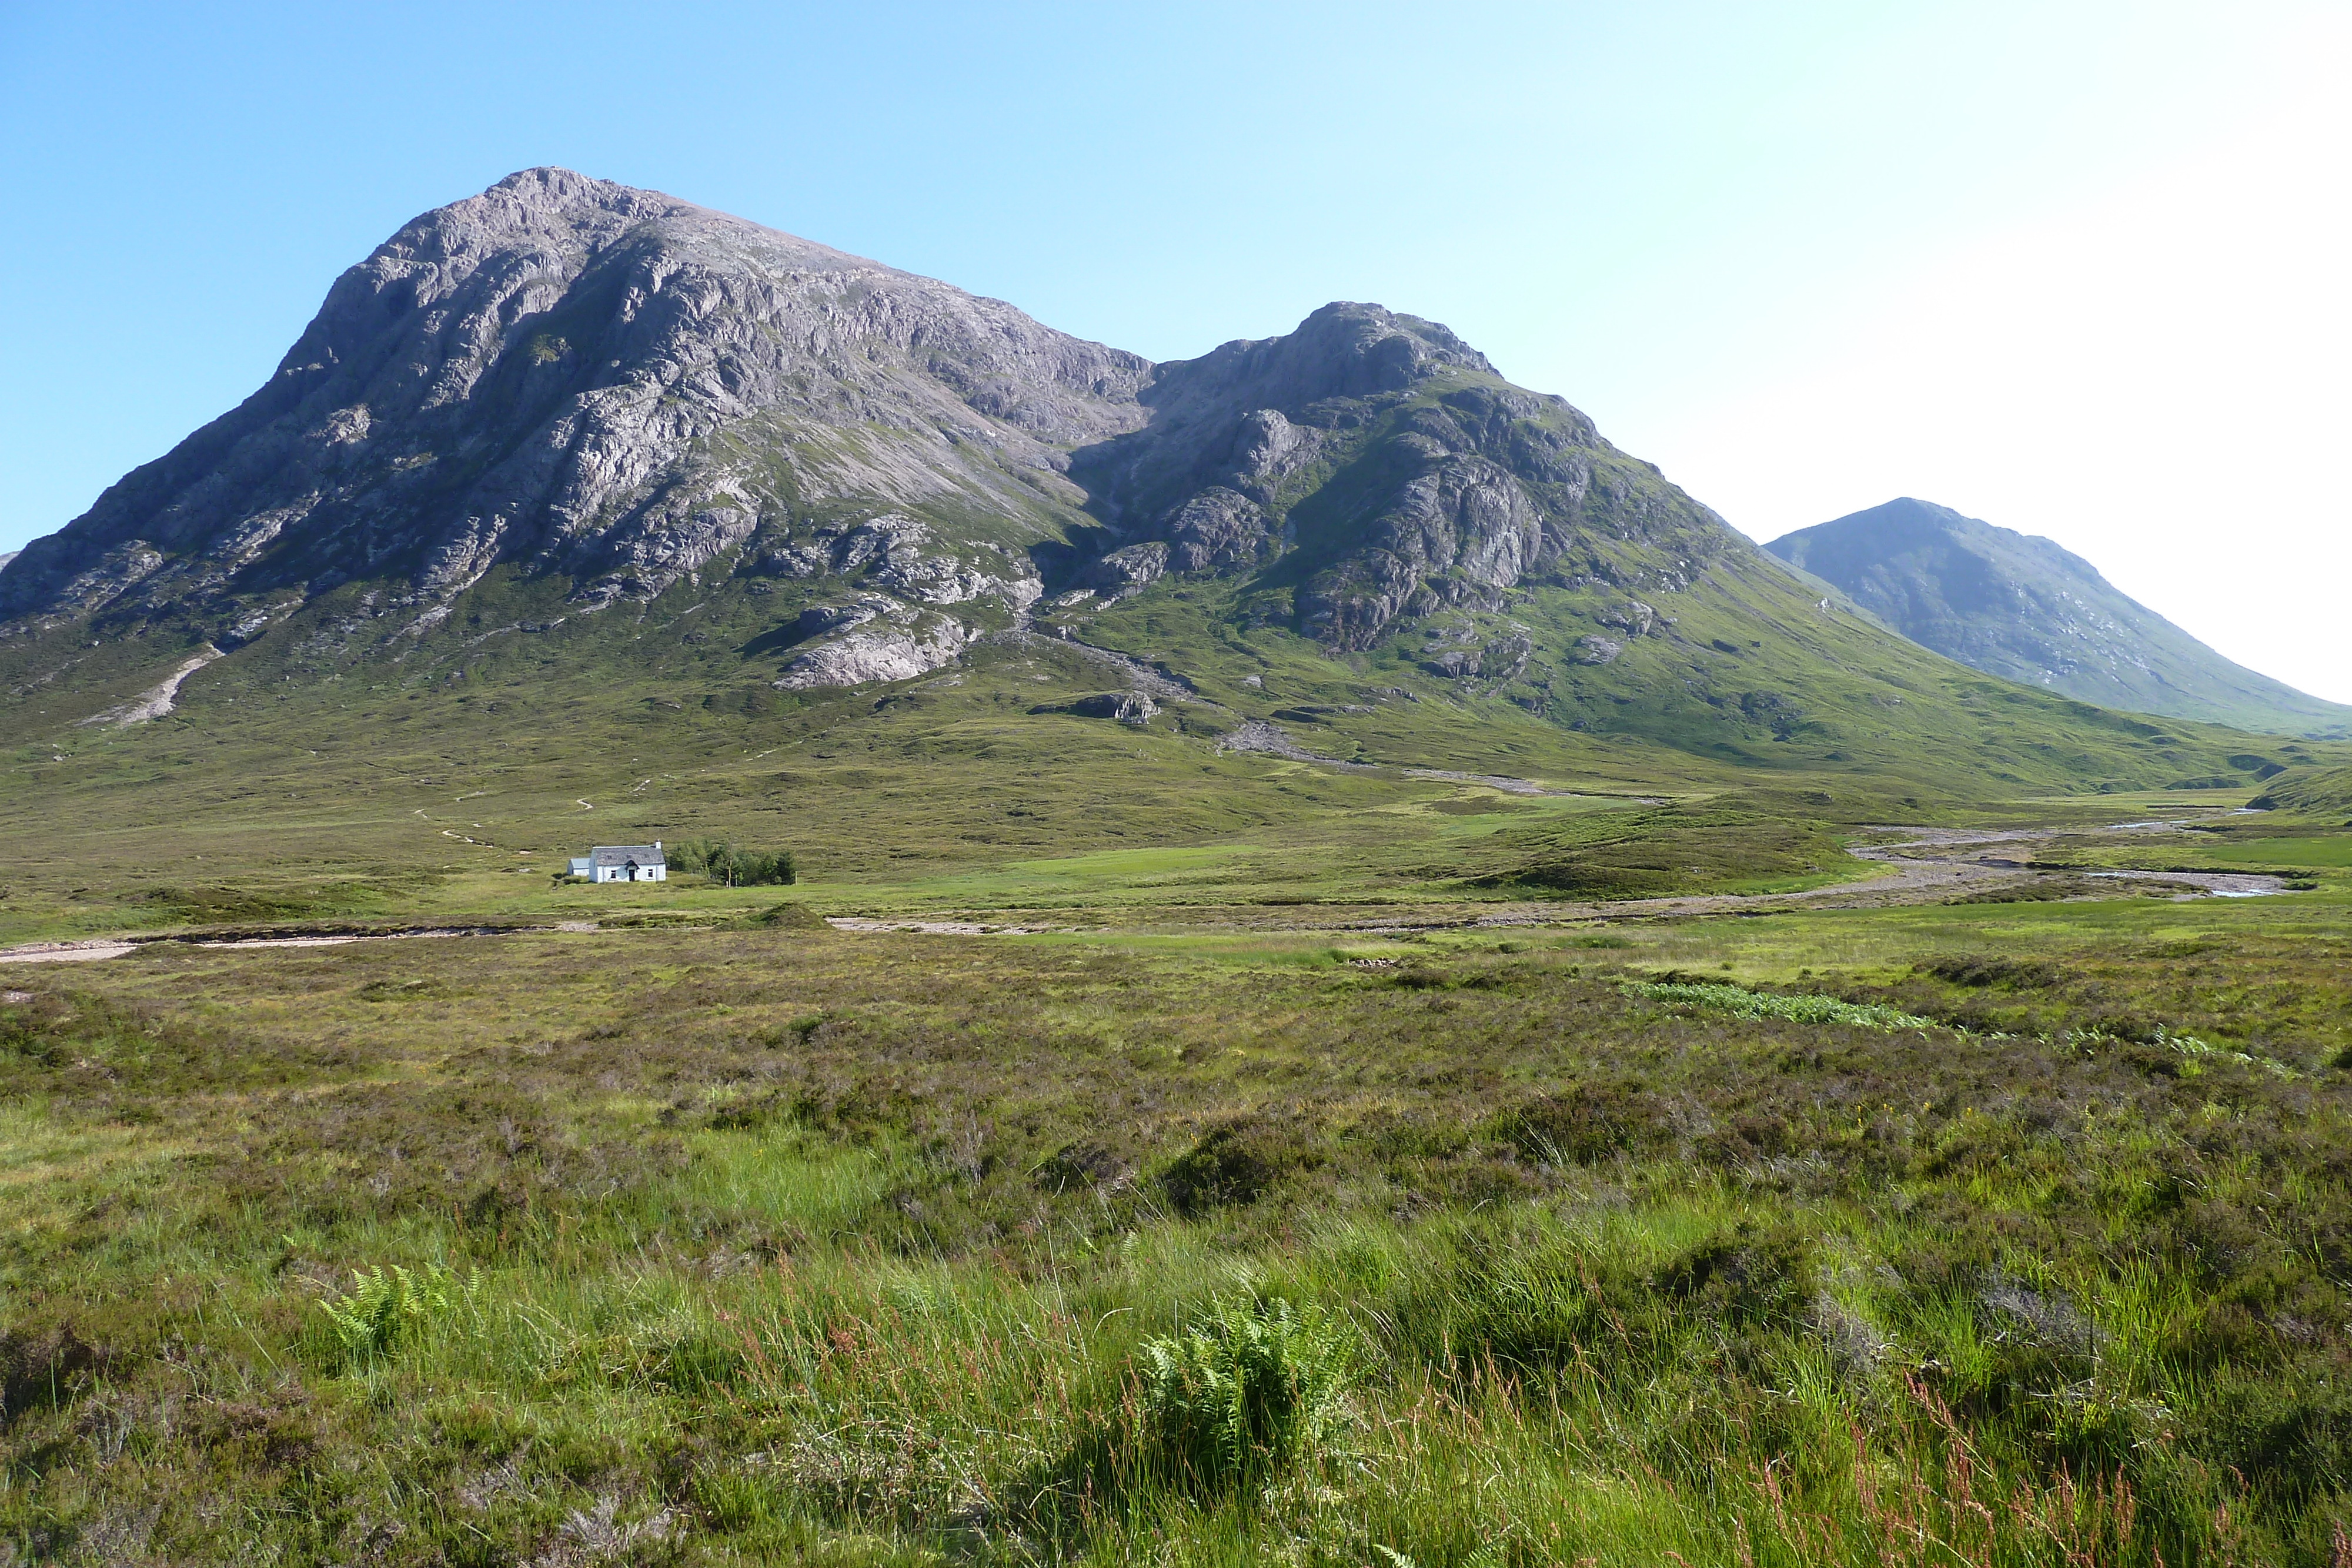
{"x": 1244, "y": 1392}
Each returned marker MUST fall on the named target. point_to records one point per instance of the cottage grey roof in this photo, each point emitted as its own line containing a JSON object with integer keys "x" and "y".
{"x": 621, "y": 854}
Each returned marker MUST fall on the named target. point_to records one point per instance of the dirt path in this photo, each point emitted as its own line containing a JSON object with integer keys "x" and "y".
{"x": 116, "y": 946}
{"x": 933, "y": 927}
{"x": 1515, "y": 786}
{"x": 64, "y": 951}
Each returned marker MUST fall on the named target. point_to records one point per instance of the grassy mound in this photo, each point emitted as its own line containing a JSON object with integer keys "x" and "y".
{"x": 1743, "y": 843}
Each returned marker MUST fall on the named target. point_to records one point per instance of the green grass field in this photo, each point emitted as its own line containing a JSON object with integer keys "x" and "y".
{"x": 2333, "y": 852}
{"x": 1168, "y": 1240}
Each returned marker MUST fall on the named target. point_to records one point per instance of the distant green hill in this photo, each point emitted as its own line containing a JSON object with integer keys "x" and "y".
{"x": 2017, "y": 606}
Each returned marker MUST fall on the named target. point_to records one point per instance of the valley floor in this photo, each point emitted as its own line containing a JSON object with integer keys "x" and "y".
{"x": 2010, "y": 1230}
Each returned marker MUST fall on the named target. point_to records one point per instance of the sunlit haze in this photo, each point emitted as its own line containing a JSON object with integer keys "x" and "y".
{"x": 2075, "y": 269}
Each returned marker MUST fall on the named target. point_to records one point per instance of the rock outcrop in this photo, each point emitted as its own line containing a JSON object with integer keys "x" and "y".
{"x": 1128, "y": 707}
{"x": 897, "y": 645}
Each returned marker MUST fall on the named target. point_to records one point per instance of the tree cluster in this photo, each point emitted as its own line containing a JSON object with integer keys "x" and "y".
{"x": 722, "y": 863}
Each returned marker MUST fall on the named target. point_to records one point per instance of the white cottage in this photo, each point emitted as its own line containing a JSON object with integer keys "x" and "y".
{"x": 622, "y": 862}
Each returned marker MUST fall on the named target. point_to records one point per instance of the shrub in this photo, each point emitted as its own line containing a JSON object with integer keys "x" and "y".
{"x": 790, "y": 917}
{"x": 387, "y": 1305}
{"x": 1979, "y": 969}
{"x": 1747, "y": 1278}
{"x": 46, "y": 1369}
{"x": 1081, "y": 1166}
{"x": 1741, "y": 1003}
{"x": 1584, "y": 1122}
{"x": 1242, "y": 1393}
{"x": 1235, "y": 1162}
{"x": 2293, "y": 1434}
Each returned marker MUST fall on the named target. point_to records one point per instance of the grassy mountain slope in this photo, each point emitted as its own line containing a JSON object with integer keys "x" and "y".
{"x": 281, "y": 788}
{"x": 2021, "y": 607}
{"x": 2309, "y": 792}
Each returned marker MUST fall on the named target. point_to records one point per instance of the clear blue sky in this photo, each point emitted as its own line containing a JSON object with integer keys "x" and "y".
{"x": 2058, "y": 265}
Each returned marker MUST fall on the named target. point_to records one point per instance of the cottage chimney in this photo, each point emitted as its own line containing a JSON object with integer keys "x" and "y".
{"x": 657, "y": 843}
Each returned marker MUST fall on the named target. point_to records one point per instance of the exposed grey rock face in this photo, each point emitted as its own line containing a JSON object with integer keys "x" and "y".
{"x": 620, "y": 386}
{"x": 818, "y": 620}
{"x": 896, "y": 646}
{"x": 2023, "y": 608}
{"x": 1128, "y": 707}
{"x": 1633, "y": 617}
{"x": 1458, "y": 529}
{"x": 1131, "y": 569}
{"x": 1597, "y": 650}
{"x": 1465, "y": 649}
{"x": 1216, "y": 527}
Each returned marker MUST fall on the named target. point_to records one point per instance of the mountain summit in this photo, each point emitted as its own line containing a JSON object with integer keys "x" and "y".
{"x": 618, "y": 387}
{"x": 2021, "y": 607}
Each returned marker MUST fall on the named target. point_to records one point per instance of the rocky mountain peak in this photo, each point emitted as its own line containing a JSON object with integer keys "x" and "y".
{"x": 590, "y": 379}
{"x": 1371, "y": 466}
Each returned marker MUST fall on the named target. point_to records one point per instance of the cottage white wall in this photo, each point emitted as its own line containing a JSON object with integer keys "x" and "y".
{"x": 594, "y": 872}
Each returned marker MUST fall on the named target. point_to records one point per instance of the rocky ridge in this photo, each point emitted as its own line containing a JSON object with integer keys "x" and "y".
{"x": 1393, "y": 468}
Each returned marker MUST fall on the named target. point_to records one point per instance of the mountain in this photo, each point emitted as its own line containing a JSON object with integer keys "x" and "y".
{"x": 618, "y": 388}
{"x": 604, "y": 383}
{"x": 2020, "y": 607}
{"x": 578, "y": 442}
